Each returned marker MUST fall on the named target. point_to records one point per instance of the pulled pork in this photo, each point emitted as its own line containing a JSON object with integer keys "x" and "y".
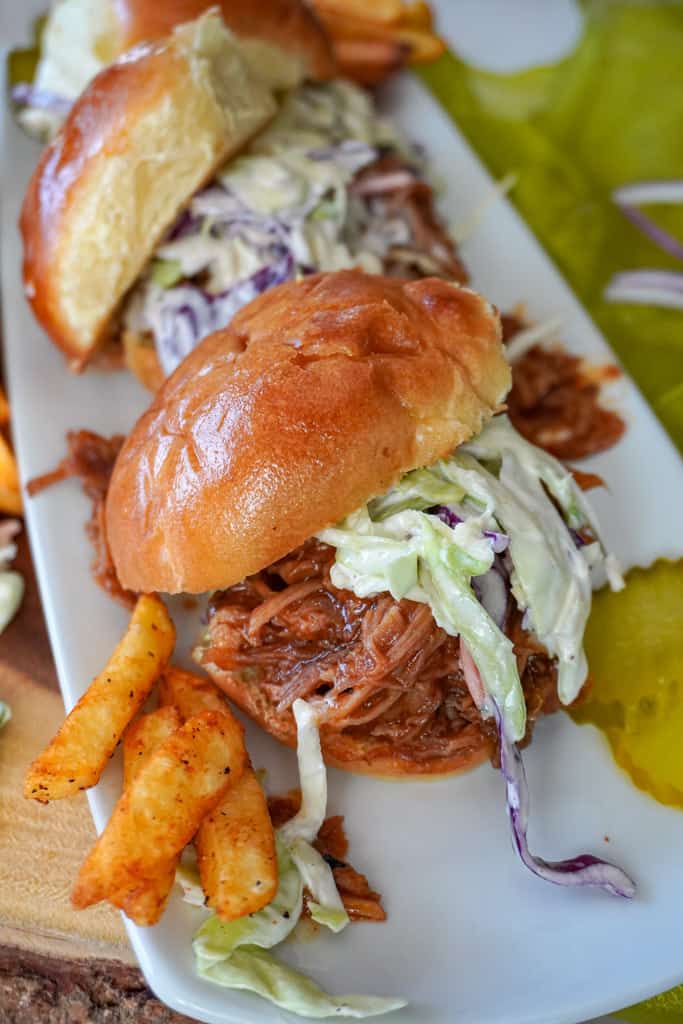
{"x": 91, "y": 458}
{"x": 555, "y": 401}
{"x": 404, "y": 204}
{"x": 377, "y": 669}
{"x": 361, "y": 902}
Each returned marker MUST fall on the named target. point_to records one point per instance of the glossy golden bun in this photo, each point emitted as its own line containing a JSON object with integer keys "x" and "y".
{"x": 320, "y": 394}
{"x": 144, "y": 136}
{"x": 345, "y": 750}
{"x": 289, "y": 25}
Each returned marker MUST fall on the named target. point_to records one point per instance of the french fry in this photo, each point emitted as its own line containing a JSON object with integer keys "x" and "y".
{"x": 77, "y": 755}
{"x": 139, "y": 743}
{"x": 384, "y": 12}
{"x": 144, "y": 736}
{"x": 4, "y": 409}
{"x": 235, "y": 843}
{"x": 424, "y": 46}
{"x": 190, "y": 693}
{"x": 236, "y": 851}
{"x": 349, "y": 24}
{"x": 158, "y": 814}
{"x": 10, "y": 491}
{"x": 417, "y": 14}
{"x": 369, "y": 61}
{"x": 405, "y": 38}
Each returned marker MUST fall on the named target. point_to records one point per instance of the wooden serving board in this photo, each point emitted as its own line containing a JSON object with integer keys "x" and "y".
{"x": 56, "y": 965}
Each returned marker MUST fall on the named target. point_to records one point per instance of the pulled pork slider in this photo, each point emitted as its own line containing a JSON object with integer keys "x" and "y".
{"x": 184, "y": 183}
{"x": 329, "y": 469}
{"x": 148, "y": 132}
{"x": 283, "y": 42}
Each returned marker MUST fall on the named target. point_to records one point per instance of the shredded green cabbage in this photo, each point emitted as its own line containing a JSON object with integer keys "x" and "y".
{"x": 233, "y": 953}
{"x": 5, "y": 713}
{"x": 497, "y": 482}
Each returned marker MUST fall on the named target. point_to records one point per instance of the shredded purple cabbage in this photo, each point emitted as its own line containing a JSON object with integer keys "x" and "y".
{"x": 27, "y": 95}
{"x": 499, "y": 541}
{"x": 188, "y": 313}
{"x": 186, "y": 224}
{"x": 584, "y": 869}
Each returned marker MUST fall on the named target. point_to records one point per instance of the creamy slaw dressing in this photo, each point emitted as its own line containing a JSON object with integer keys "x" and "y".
{"x": 497, "y": 484}
{"x": 280, "y": 210}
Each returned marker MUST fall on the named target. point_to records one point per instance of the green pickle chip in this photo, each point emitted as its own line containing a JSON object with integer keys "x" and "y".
{"x": 634, "y": 643}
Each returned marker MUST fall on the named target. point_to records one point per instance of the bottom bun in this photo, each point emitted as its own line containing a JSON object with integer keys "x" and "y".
{"x": 343, "y": 749}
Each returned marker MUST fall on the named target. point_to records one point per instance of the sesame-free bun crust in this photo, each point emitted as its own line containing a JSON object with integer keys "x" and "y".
{"x": 319, "y": 395}
{"x": 345, "y": 750}
{"x": 287, "y": 24}
{"x": 144, "y": 136}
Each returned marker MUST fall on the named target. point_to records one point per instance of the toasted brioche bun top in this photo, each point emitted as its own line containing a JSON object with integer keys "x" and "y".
{"x": 319, "y": 395}
{"x": 289, "y": 25}
{"x": 144, "y": 136}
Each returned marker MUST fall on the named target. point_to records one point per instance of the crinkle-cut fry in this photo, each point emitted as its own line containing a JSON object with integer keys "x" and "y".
{"x": 160, "y": 811}
{"x": 79, "y": 752}
{"x": 190, "y": 693}
{"x": 383, "y": 12}
{"x": 10, "y": 489}
{"x": 236, "y": 851}
{"x": 235, "y": 844}
{"x": 144, "y": 735}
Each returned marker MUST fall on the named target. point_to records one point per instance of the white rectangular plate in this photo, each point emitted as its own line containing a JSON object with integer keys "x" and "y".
{"x": 470, "y": 936}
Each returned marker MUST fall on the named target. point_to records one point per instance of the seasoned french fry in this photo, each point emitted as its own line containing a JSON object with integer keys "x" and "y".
{"x": 349, "y": 24}
{"x": 10, "y": 502}
{"x": 158, "y": 814}
{"x": 417, "y": 14}
{"x": 4, "y": 409}
{"x": 79, "y": 752}
{"x": 235, "y": 843}
{"x": 190, "y": 693}
{"x": 139, "y": 743}
{"x": 10, "y": 491}
{"x": 369, "y": 61}
{"x": 144, "y": 736}
{"x": 236, "y": 851}
{"x": 424, "y": 46}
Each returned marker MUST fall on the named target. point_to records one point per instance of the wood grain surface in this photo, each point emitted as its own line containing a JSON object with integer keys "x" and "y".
{"x": 57, "y": 966}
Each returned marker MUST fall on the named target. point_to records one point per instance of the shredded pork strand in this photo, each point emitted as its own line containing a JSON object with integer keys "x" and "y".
{"x": 555, "y": 400}
{"x": 392, "y": 191}
{"x": 91, "y": 458}
{"x": 362, "y": 903}
{"x": 375, "y": 668}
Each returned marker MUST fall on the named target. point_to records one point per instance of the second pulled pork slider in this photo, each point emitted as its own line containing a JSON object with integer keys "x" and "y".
{"x": 334, "y": 469}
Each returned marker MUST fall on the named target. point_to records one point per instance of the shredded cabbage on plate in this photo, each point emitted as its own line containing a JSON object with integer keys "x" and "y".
{"x": 498, "y": 514}
{"x": 235, "y": 953}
